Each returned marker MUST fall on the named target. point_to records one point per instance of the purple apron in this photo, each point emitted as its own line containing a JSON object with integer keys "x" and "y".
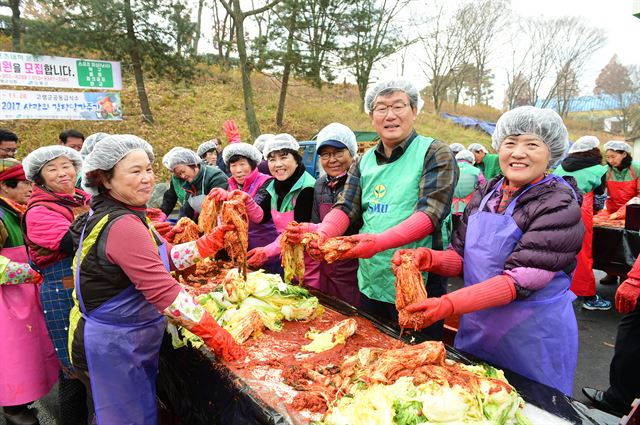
{"x": 536, "y": 337}
{"x": 122, "y": 341}
{"x": 311, "y": 266}
{"x": 340, "y": 278}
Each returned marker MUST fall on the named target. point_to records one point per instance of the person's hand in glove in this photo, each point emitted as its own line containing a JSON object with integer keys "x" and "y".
{"x": 367, "y": 246}
{"x": 208, "y": 245}
{"x": 493, "y": 292}
{"x": 254, "y": 212}
{"x": 444, "y": 263}
{"x": 627, "y": 295}
{"x": 296, "y": 231}
{"x": 231, "y": 131}
{"x": 218, "y": 194}
{"x": 421, "y": 258}
{"x": 178, "y": 228}
{"x": 14, "y": 273}
{"x": 258, "y": 256}
{"x": 162, "y": 227}
{"x": 616, "y": 216}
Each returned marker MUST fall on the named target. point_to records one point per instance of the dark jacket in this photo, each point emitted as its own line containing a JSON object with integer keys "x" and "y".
{"x": 549, "y": 217}
{"x": 207, "y": 178}
{"x": 325, "y": 194}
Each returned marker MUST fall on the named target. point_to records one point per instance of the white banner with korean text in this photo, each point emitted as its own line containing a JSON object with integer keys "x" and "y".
{"x": 26, "y": 104}
{"x": 20, "y": 69}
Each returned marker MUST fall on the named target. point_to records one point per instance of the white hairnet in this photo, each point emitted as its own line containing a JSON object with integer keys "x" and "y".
{"x": 456, "y": 147}
{"x": 465, "y": 155}
{"x": 336, "y": 132}
{"x": 279, "y": 142}
{"x": 180, "y": 155}
{"x": 545, "y": 124}
{"x": 614, "y": 145}
{"x": 207, "y": 146}
{"x": 106, "y": 154}
{"x": 243, "y": 149}
{"x": 34, "y": 162}
{"x": 261, "y": 140}
{"x": 391, "y": 86}
{"x": 477, "y": 147}
{"x": 584, "y": 144}
{"x": 90, "y": 142}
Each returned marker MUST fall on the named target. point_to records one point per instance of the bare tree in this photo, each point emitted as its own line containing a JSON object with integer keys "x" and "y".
{"x": 445, "y": 49}
{"x": 234, "y": 9}
{"x": 222, "y": 34}
{"x": 136, "y": 62}
{"x": 198, "y": 30}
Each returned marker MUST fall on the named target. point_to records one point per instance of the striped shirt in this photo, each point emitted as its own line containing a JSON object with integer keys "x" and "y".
{"x": 437, "y": 183}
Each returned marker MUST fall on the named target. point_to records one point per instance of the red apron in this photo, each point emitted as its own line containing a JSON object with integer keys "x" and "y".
{"x": 619, "y": 193}
{"x": 583, "y": 283}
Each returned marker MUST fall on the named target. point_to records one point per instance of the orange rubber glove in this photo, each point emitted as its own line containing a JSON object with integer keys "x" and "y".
{"x": 444, "y": 263}
{"x": 627, "y": 296}
{"x": 218, "y": 339}
{"x": 208, "y": 245}
{"x": 493, "y": 292}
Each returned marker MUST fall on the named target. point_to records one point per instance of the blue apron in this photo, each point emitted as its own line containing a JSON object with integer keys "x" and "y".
{"x": 122, "y": 341}
{"x": 536, "y": 337}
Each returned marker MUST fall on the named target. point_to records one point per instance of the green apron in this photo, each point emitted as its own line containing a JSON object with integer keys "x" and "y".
{"x": 389, "y": 196}
{"x": 490, "y": 166}
{"x": 587, "y": 178}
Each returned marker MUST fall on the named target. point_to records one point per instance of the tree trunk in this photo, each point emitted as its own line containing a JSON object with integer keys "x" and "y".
{"x": 286, "y": 72}
{"x": 196, "y": 39}
{"x": 247, "y": 91}
{"x": 137, "y": 64}
{"x": 15, "y": 24}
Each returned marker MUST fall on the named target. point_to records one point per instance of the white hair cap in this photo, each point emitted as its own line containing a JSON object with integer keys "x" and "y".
{"x": 90, "y": 142}
{"x": 614, "y": 145}
{"x": 109, "y": 152}
{"x": 338, "y": 136}
{"x": 37, "y": 159}
{"x": 545, "y": 124}
{"x": 242, "y": 149}
{"x": 477, "y": 147}
{"x": 180, "y": 155}
{"x": 391, "y": 86}
{"x": 207, "y": 146}
{"x": 456, "y": 147}
{"x": 465, "y": 155}
{"x": 279, "y": 142}
{"x": 261, "y": 140}
{"x": 584, "y": 144}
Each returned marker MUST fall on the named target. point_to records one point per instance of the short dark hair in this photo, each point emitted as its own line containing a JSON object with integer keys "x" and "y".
{"x": 236, "y": 158}
{"x": 295, "y": 153}
{"x": 592, "y": 153}
{"x": 97, "y": 179}
{"x": 70, "y": 133}
{"x": 8, "y": 136}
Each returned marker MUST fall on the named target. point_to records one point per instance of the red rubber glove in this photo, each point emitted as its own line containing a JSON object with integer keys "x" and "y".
{"x": 295, "y": 231}
{"x": 156, "y": 214}
{"x": 208, "y": 245}
{"x": 172, "y": 233}
{"x": 232, "y": 132}
{"x": 162, "y": 227}
{"x": 627, "y": 296}
{"x": 218, "y": 194}
{"x": 493, "y": 292}
{"x": 257, "y": 257}
{"x": 367, "y": 246}
{"x": 218, "y": 339}
{"x": 444, "y": 263}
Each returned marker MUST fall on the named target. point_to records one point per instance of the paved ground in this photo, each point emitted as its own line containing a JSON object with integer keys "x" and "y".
{"x": 597, "y": 331}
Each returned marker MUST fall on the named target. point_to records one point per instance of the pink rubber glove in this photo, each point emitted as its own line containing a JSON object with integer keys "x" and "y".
{"x": 232, "y": 132}
{"x": 493, "y": 292}
{"x": 218, "y": 194}
{"x": 627, "y": 296}
{"x": 335, "y": 223}
{"x": 258, "y": 256}
{"x": 254, "y": 211}
{"x": 444, "y": 263}
{"x": 295, "y": 231}
{"x": 367, "y": 246}
{"x": 208, "y": 245}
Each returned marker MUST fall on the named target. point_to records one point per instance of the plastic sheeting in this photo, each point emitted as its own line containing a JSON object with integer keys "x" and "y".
{"x": 603, "y": 102}
{"x": 198, "y": 389}
{"x": 468, "y": 122}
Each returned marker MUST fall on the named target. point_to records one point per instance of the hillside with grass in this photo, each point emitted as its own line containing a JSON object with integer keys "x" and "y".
{"x": 187, "y": 114}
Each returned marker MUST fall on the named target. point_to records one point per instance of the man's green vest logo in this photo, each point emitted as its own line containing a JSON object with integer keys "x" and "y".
{"x": 376, "y": 206}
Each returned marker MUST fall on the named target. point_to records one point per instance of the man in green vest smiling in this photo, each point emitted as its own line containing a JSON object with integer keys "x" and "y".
{"x": 402, "y": 190}
{"x": 485, "y": 161}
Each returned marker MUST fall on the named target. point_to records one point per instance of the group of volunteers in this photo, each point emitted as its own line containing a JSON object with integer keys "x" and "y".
{"x": 85, "y": 270}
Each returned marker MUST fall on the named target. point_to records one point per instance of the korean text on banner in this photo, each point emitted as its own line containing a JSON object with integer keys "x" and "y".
{"x": 20, "y": 69}
{"x": 26, "y": 104}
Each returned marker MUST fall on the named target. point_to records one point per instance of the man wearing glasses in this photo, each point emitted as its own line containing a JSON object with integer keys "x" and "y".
{"x": 8, "y": 144}
{"x": 402, "y": 191}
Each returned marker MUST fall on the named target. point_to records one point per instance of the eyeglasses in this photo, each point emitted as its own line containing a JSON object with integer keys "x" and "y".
{"x": 383, "y": 110}
{"x": 325, "y": 156}
{"x": 9, "y": 150}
